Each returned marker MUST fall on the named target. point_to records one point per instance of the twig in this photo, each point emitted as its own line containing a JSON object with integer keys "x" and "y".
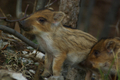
{"x": 29, "y": 57}
{"x": 117, "y": 28}
{"x": 5, "y": 38}
{"x": 20, "y": 36}
{"x": 5, "y": 18}
{"x": 37, "y": 72}
{"x": 2, "y": 17}
{"x": 15, "y": 20}
{"x": 36, "y": 51}
{"x": 49, "y": 4}
{"x": 2, "y": 12}
{"x": 35, "y": 4}
{"x": 26, "y": 10}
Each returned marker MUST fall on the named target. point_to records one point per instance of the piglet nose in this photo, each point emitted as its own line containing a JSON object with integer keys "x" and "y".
{"x": 23, "y": 25}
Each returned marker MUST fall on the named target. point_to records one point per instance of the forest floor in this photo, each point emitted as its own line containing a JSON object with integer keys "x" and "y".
{"x": 18, "y": 58}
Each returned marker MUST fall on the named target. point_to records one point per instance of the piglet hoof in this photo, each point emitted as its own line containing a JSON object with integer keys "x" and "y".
{"x": 55, "y": 78}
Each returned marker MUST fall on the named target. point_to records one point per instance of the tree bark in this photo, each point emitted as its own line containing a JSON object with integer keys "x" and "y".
{"x": 71, "y": 9}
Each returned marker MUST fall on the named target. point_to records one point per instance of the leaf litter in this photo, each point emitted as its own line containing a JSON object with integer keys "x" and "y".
{"x": 18, "y": 60}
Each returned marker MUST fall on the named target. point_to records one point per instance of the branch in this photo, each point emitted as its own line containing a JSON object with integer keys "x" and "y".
{"x": 20, "y": 36}
{"x": 49, "y": 4}
{"x": 18, "y": 12}
{"x": 25, "y": 15}
{"x": 4, "y": 18}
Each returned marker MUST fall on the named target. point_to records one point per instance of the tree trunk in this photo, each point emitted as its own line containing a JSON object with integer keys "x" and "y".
{"x": 71, "y": 9}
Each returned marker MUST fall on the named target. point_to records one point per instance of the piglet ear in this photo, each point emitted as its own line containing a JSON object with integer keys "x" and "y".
{"x": 50, "y": 8}
{"x": 58, "y": 16}
{"x": 110, "y": 46}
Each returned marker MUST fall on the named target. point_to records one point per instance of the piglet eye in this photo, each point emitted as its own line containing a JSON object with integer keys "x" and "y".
{"x": 96, "y": 53}
{"x": 41, "y": 19}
